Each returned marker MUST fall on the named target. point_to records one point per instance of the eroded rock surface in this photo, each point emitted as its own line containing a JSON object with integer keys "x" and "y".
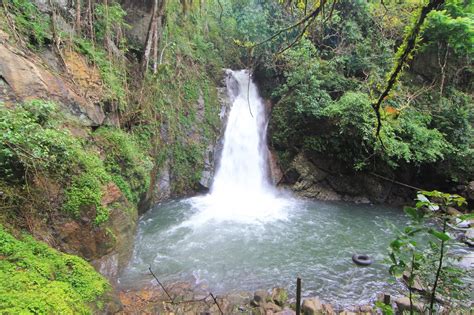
{"x": 323, "y": 181}
{"x": 24, "y": 78}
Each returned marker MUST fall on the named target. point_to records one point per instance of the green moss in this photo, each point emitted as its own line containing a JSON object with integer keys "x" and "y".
{"x": 86, "y": 187}
{"x": 127, "y": 163}
{"x": 36, "y": 279}
{"x": 191, "y": 91}
{"x": 187, "y": 165}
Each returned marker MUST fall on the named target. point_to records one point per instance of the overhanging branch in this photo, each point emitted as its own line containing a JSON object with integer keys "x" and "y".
{"x": 407, "y": 48}
{"x": 310, "y": 17}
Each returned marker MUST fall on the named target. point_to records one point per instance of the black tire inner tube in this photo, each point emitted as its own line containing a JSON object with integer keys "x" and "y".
{"x": 361, "y": 260}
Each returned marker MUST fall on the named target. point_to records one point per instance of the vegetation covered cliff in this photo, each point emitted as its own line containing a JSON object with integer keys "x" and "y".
{"x": 108, "y": 107}
{"x": 97, "y": 125}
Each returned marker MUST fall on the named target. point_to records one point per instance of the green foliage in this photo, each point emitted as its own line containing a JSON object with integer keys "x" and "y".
{"x": 129, "y": 165}
{"x": 86, "y": 187}
{"x": 353, "y": 137}
{"x": 36, "y": 279}
{"x": 30, "y": 141}
{"x": 386, "y": 309}
{"x": 33, "y": 144}
{"x": 453, "y": 26}
{"x": 327, "y": 81}
{"x": 30, "y": 21}
{"x": 303, "y": 82}
{"x": 419, "y": 250}
{"x": 110, "y": 20}
{"x": 410, "y": 138}
{"x": 112, "y": 71}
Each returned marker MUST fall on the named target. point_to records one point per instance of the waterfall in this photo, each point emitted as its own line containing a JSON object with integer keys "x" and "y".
{"x": 242, "y": 167}
{"x": 241, "y": 190}
{"x": 246, "y": 234}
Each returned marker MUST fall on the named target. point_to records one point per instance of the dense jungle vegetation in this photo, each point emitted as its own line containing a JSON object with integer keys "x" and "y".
{"x": 376, "y": 86}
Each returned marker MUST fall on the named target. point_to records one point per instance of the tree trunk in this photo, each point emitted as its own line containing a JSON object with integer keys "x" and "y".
{"x": 107, "y": 39}
{"x": 155, "y": 48}
{"x": 78, "y": 17}
{"x": 149, "y": 38}
{"x": 90, "y": 21}
{"x": 154, "y": 35}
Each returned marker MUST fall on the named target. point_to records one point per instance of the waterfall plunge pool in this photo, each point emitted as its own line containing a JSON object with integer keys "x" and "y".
{"x": 246, "y": 235}
{"x": 310, "y": 239}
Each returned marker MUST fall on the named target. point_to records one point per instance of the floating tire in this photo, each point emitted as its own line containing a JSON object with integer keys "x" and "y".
{"x": 361, "y": 260}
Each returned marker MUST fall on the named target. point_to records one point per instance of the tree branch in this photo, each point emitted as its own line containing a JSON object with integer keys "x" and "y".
{"x": 309, "y": 17}
{"x": 408, "y": 47}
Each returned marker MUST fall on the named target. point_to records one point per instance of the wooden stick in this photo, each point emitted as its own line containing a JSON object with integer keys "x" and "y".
{"x": 151, "y": 271}
{"x": 215, "y": 301}
{"x": 298, "y": 296}
{"x": 395, "y": 182}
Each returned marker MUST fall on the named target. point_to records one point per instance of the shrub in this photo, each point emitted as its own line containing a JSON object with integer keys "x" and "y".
{"x": 31, "y": 143}
{"x": 127, "y": 163}
{"x": 30, "y": 21}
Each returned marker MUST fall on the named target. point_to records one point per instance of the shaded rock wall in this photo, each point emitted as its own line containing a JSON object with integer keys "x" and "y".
{"x": 322, "y": 179}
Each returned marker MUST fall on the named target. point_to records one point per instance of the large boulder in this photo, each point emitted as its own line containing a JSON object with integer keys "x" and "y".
{"x": 312, "y": 306}
{"x": 328, "y": 309}
{"x": 311, "y": 181}
{"x": 403, "y": 304}
{"x": 260, "y": 297}
{"x": 271, "y": 307}
{"x": 279, "y": 296}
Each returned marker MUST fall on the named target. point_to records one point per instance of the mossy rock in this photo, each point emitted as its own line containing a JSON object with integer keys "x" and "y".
{"x": 36, "y": 279}
{"x": 279, "y": 296}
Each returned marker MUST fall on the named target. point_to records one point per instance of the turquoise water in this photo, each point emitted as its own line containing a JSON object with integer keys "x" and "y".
{"x": 313, "y": 240}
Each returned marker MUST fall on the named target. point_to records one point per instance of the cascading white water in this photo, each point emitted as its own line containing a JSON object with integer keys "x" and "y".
{"x": 241, "y": 190}
{"x": 242, "y": 166}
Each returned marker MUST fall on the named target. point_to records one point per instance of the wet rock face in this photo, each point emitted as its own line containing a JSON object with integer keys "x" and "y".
{"x": 470, "y": 190}
{"x": 276, "y": 174}
{"x": 232, "y": 86}
{"x": 214, "y": 149}
{"x": 138, "y": 17}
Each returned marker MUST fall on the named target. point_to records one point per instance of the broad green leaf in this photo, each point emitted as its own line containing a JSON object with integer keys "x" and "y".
{"x": 441, "y": 235}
